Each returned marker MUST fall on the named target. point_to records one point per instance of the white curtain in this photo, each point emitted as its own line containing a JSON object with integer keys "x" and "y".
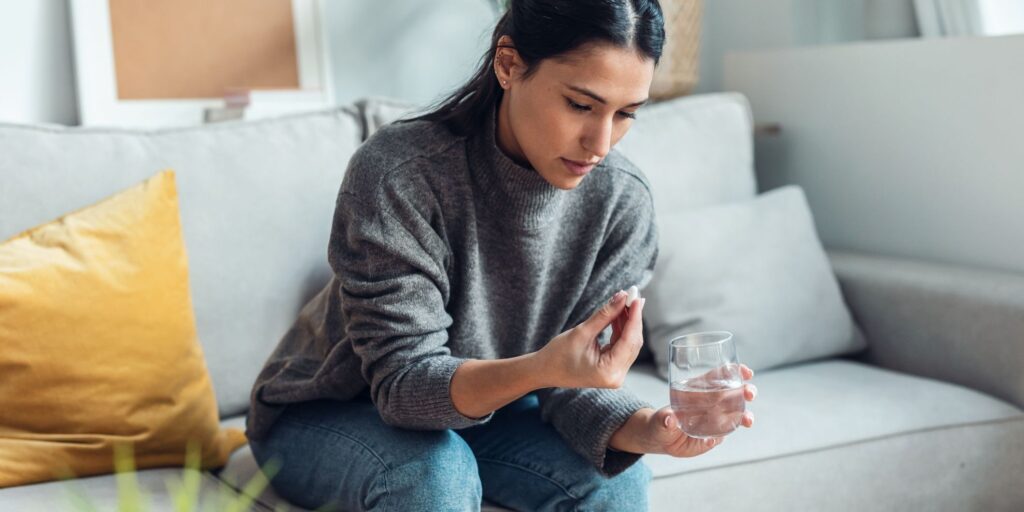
{"x": 948, "y": 18}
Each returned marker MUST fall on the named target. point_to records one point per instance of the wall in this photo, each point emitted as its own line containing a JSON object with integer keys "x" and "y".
{"x": 411, "y": 49}
{"x": 36, "y": 70}
{"x": 408, "y": 49}
{"x": 731, "y": 25}
{"x": 908, "y": 147}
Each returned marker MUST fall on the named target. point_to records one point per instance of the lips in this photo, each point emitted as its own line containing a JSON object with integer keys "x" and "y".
{"x": 577, "y": 168}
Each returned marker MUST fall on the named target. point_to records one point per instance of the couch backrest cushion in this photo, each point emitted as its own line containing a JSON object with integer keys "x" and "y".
{"x": 257, "y": 199}
{"x": 695, "y": 150}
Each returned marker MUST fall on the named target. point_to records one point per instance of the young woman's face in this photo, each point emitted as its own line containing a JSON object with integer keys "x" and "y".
{"x": 572, "y": 110}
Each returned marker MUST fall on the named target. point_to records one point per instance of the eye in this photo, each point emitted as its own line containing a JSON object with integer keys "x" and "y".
{"x": 577, "y": 106}
{"x": 584, "y": 108}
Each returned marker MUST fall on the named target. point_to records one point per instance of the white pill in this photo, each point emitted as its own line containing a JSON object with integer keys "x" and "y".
{"x": 632, "y": 295}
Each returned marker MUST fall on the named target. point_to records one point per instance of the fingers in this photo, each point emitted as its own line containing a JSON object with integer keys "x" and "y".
{"x": 746, "y": 372}
{"x": 605, "y": 314}
{"x": 617, "y": 327}
{"x": 748, "y": 419}
{"x": 632, "y": 333}
{"x": 727, "y": 372}
{"x": 693, "y": 446}
{"x": 710, "y": 442}
{"x": 633, "y": 323}
{"x": 679, "y": 444}
{"x": 667, "y": 419}
{"x": 749, "y": 392}
{"x": 616, "y": 333}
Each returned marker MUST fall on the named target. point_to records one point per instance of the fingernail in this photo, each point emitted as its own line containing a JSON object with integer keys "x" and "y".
{"x": 619, "y": 295}
{"x": 753, "y": 390}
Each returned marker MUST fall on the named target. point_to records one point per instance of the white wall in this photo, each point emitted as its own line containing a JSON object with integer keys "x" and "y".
{"x": 36, "y": 71}
{"x": 411, "y": 49}
{"x": 909, "y": 147}
{"x": 730, "y": 25}
{"x": 408, "y": 49}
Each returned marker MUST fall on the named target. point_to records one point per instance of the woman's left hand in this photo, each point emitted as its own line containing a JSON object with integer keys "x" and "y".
{"x": 650, "y": 431}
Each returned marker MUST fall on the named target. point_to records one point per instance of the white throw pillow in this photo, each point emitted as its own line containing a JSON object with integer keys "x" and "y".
{"x": 755, "y": 268}
{"x": 696, "y": 150}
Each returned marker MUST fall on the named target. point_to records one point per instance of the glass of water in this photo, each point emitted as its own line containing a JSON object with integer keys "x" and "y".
{"x": 706, "y": 387}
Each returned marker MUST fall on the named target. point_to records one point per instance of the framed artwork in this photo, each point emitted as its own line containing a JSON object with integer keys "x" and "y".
{"x": 151, "y": 63}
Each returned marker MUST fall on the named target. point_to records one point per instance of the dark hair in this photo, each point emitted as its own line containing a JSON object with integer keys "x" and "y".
{"x": 543, "y": 29}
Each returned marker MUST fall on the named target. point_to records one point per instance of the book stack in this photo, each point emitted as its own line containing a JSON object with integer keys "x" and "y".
{"x": 255, "y": 103}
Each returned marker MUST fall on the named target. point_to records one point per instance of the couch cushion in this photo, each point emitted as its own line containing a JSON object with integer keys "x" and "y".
{"x": 101, "y": 491}
{"x": 257, "y": 199}
{"x": 695, "y": 150}
{"x": 970, "y": 467}
{"x": 826, "y": 404}
{"x": 844, "y": 436}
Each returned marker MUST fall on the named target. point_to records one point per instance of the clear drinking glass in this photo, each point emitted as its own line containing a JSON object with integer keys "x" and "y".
{"x": 706, "y": 387}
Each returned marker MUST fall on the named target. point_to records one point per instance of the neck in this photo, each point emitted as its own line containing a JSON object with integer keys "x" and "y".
{"x": 505, "y": 138}
{"x": 516, "y": 195}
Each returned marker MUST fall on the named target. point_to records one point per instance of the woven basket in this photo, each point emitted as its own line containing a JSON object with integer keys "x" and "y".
{"x": 676, "y": 74}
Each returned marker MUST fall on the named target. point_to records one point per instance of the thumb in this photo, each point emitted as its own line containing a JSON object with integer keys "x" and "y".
{"x": 606, "y": 314}
{"x": 666, "y": 420}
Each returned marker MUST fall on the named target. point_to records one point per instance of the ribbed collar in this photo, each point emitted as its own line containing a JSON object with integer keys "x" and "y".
{"x": 515, "y": 194}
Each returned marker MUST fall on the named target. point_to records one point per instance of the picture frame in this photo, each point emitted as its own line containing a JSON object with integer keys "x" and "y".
{"x": 97, "y": 81}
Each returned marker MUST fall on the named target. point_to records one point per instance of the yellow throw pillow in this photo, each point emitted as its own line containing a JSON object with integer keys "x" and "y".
{"x": 98, "y": 343}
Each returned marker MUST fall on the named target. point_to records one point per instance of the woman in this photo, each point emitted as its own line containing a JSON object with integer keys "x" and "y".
{"x": 461, "y": 350}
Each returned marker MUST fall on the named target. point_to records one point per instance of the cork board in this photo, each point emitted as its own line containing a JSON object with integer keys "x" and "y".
{"x": 175, "y": 49}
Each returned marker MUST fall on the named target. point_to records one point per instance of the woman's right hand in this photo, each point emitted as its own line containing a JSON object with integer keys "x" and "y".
{"x": 574, "y": 359}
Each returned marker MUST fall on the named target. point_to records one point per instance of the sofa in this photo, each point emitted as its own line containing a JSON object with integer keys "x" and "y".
{"x": 929, "y": 416}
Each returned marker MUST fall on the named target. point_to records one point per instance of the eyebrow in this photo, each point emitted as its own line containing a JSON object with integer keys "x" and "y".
{"x": 594, "y": 95}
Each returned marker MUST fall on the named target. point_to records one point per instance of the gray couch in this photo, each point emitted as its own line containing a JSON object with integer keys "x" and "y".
{"x": 929, "y": 417}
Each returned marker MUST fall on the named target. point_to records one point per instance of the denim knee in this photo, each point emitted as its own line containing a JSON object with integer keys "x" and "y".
{"x": 441, "y": 477}
{"x": 625, "y": 491}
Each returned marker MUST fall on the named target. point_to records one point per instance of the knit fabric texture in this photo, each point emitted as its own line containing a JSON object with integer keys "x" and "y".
{"x": 444, "y": 249}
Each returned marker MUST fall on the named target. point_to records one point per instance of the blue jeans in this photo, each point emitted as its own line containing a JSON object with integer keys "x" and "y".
{"x": 341, "y": 456}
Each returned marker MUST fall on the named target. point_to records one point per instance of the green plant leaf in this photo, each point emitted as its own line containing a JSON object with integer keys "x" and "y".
{"x": 255, "y": 486}
{"x": 184, "y": 490}
{"x": 129, "y": 496}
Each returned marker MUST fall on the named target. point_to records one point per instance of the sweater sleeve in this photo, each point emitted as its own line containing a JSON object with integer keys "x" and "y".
{"x": 587, "y": 417}
{"x": 394, "y": 286}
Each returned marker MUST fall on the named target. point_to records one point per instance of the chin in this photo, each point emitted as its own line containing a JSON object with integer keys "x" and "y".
{"x": 566, "y": 183}
{"x": 570, "y": 184}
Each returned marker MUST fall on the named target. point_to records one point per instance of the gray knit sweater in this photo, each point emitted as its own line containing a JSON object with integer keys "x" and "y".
{"x": 444, "y": 249}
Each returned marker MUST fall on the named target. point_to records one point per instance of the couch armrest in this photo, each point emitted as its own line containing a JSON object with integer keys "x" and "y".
{"x": 942, "y": 321}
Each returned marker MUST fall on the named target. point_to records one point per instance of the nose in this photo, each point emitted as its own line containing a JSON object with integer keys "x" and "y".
{"x": 598, "y": 138}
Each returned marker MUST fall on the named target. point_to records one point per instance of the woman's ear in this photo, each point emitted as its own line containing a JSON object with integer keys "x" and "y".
{"x": 507, "y": 63}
